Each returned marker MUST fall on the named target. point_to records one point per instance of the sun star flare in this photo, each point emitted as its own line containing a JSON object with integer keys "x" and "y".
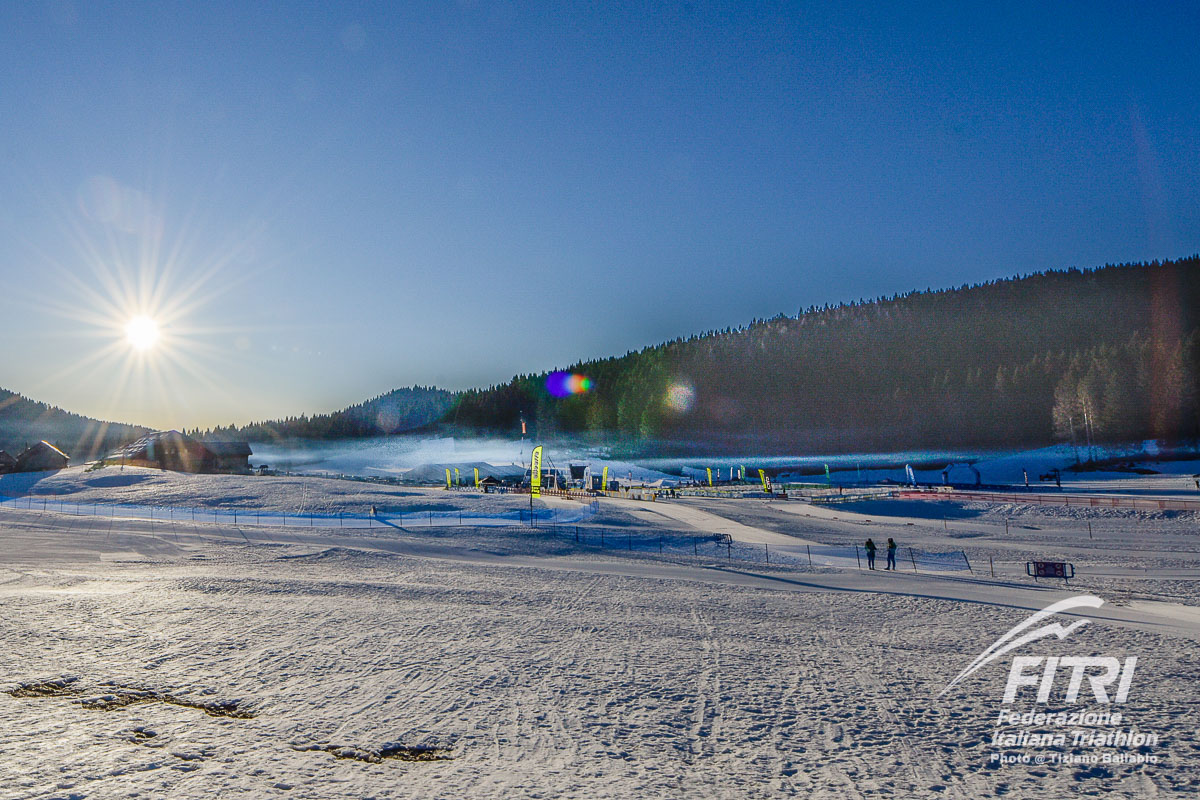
{"x": 142, "y": 333}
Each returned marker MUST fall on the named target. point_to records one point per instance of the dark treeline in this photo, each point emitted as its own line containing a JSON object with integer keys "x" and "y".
{"x": 397, "y": 411}
{"x": 1104, "y": 354}
{"x": 24, "y": 422}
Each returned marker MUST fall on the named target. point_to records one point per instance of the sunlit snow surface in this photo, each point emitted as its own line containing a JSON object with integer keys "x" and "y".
{"x": 569, "y": 661}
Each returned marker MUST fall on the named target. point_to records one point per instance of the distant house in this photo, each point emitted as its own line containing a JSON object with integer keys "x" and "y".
{"x": 42, "y": 457}
{"x": 230, "y": 456}
{"x": 181, "y": 453}
{"x": 7, "y": 462}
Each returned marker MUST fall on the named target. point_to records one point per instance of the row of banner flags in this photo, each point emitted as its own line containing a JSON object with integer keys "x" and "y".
{"x": 458, "y": 479}
{"x": 535, "y": 472}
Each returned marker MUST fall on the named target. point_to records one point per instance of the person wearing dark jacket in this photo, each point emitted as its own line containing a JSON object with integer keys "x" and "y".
{"x": 870, "y": 545}
{"x": 891, "y": 555}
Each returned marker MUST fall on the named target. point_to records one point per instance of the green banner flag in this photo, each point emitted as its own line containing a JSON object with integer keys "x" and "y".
{"x": 447, "y": 477}
{"x": 535, "y": 473}
{"x": 477, "y": 477}
{"x": 709, "y": 475}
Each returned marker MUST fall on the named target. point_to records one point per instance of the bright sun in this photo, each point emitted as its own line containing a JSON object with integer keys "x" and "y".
{"x": 141, "y": 333}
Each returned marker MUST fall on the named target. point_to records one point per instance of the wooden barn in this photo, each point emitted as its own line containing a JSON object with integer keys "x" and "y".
{"x": 230, "y": 456}
{"x": 166, "y": 450}
{"x": 181, "y": 453}
{"x": 7, "y": 462}
{"x": 42, "y": 457}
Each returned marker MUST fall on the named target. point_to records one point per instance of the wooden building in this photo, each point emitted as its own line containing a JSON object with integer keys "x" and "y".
{"x": 181, "y": 453}
{"x": 166, "y": 450}
{"x": 230, "y": 456}
{"x": 7, "y": 462}
{"x": 42, "y": 457}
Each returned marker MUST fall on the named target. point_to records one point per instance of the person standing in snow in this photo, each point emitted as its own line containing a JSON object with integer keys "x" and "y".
{"x": 891, "y": 557}
{"x": 870, "y": 546}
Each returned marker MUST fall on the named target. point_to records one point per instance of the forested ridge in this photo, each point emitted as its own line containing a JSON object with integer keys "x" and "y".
{"x": 1106, "y": 354}
{"x": 398, "y": 411}
{"x": 24, "y": 422}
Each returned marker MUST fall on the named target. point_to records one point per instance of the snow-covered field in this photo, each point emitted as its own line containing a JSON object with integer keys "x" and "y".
{"x": 171, "y": 658}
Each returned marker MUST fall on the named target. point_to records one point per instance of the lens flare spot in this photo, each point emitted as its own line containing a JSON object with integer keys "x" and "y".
{"x": 141, "y": 332}
{"x": 565, "y": 384}
{"x": 680, "y": 397}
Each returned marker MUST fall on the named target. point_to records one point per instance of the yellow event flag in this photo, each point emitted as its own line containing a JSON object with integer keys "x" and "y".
{"x": 447, "y": 477}
{"x": 535, "y": 474}
{"x": 457, "y": 478}
{"x": 762, "y": 476}
{"x": 477, "y": 477}
{"x": 604, "y": 480}
{"x": 709, "y": 475}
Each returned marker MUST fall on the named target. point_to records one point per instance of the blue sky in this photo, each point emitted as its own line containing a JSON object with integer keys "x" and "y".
{"x": 321, "y": 202}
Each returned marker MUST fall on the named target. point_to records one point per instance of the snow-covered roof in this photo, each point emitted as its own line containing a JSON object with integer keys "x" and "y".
{"x": 135, "y": 448}
{"x": 228, "y": 449}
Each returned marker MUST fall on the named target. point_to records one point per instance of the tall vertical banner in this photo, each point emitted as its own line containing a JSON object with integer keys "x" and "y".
{"x": 477, "y": 477}
{"x": 604, "y": 480}
{"x": 828, "y": 478}
{"x": 457, "y": 477}
{"x": 709, "y": 475}
{"x": 447, "y": 477}
{"x": 766, "y": 482}
{"x": 535, "y": 473}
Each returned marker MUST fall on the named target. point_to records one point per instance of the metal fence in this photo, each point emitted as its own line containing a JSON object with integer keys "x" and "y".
{"x": 260, "y": 517}
{"x": 1076, "y": 500}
